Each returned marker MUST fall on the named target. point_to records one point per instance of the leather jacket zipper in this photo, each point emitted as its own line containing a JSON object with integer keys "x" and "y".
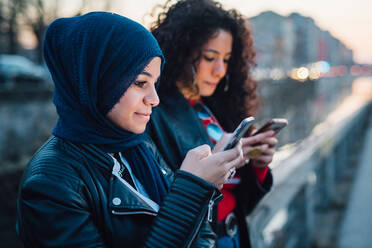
{"x": 210, "y": 210}
{"x": 195, "y": 233}
{"x": 134, "y": 212}
{"x": 211, "y": 204}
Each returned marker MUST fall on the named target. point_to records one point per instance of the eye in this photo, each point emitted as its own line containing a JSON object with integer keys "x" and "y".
{"x": 226, "y": 61}
{"x": 140, "y": 84}
{"x": 209, "y": 59}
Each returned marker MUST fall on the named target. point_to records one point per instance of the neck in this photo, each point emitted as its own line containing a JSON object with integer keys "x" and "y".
{"x": 188, "y": 92}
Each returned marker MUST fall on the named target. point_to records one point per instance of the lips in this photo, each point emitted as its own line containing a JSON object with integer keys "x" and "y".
{"x": 144, "y": 113}
{"x": 211, "y": 83}
{"x": 145, "y": 116}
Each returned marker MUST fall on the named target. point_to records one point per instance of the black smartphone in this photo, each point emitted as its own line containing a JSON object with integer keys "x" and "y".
{"x": 274, "y": 124}
{"x": 238, "y": 133}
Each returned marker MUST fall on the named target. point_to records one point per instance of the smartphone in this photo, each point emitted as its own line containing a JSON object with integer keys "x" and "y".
{"x": 238, "y": 133}
{"x": 274, "y": 124}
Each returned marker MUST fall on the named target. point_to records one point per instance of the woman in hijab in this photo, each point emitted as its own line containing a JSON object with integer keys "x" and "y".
{"x": 96, "y": 182}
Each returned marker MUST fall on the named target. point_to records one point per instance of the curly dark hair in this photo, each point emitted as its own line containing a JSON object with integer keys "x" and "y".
{"x": 182, "y": 29}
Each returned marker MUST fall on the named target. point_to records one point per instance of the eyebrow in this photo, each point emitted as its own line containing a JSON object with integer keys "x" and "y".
{"x": 146, "y": 73}
{"x": 214, "y": 51}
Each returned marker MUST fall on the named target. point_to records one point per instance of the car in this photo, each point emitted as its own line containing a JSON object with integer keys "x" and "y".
{"x": 18, "y": 69}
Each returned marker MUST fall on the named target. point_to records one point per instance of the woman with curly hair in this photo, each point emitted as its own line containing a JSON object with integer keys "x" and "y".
{"x": 206, "y": 90}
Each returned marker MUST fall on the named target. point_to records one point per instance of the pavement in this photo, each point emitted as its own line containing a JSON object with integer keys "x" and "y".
{"x": 356, "y": 227}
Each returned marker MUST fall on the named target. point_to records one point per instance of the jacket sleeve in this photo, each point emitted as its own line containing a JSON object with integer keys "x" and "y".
{"x": 182, "y": 213}
{"x": 206, "y": 237}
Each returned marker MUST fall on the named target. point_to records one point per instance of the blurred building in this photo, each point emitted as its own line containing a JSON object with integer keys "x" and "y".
{"x": 292, "y": 41}
{"x": 302, "y": 70}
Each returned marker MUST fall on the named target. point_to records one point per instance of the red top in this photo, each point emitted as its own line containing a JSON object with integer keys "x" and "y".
{"x": 228, "y": 203}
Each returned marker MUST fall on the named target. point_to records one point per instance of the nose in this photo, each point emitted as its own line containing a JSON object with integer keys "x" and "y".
{"x": 219, "y": 69}
{"x": 152, "y": 97}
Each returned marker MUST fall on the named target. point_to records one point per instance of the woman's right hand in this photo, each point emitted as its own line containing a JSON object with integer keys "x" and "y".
{"x": 214, "y": 168}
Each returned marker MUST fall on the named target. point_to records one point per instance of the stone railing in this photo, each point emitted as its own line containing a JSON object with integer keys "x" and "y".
{"x": 305, "y": 177}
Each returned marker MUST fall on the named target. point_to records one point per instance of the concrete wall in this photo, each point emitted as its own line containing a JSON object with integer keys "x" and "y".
{"x": 26, "y": 120}
{"x": 27, "y": 117}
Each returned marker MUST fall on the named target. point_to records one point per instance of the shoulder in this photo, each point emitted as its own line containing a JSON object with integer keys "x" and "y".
{"x": 56, "y": 197}
{"x": 57, "y": 174}
{"x": 56, "y": 161}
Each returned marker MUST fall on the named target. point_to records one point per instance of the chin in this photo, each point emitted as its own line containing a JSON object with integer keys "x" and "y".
{"x": 139, "y": 130}
{"x": 207, "y": 93}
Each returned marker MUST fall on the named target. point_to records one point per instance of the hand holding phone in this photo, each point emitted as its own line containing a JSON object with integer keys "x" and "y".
{"x": 238, "y": 133}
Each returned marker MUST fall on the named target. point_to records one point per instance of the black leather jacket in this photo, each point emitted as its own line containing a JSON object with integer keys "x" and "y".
{"x": 66, "y": 200}
{"x": 175, "y": 129}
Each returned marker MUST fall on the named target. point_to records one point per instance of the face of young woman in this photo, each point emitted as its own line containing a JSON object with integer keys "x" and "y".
{"x": 213, "y": 63}
{"x": 134, "y": 108}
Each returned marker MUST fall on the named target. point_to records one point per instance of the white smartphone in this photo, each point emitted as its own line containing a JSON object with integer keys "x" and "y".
{"x": 238, "y": 133}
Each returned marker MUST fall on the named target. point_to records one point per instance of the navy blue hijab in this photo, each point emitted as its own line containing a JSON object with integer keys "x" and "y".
{"x": 93, "y": 59}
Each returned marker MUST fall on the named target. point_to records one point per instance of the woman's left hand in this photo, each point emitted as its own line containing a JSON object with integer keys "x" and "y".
{"x": 260, "y": 148}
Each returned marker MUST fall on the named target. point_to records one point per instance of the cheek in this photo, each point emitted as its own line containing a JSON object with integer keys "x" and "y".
{"x": 204, "y": 68}
{"x": 127, "y": 114}
{"x": 203, "y": 72}
{"x": 119, "y": 116}
{"x": 122, "y": 113}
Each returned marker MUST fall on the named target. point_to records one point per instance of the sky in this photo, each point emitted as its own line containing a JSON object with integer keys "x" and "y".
{"x": 348, "y": 20}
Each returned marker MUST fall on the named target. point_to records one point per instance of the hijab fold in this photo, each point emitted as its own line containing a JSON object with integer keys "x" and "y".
{"x": 93, "y": 59}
